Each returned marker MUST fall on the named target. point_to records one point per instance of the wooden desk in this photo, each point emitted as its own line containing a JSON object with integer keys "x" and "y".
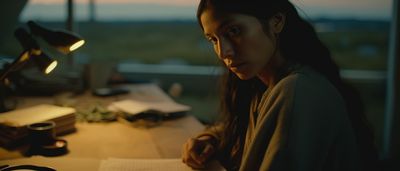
{"x": 96, "y": 141}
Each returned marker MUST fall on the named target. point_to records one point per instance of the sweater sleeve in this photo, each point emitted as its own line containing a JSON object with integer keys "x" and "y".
{"x": 227, "y": 153}
{"x": 214, "y": 131}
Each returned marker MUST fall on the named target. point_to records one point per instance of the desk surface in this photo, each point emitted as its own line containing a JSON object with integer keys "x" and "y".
{"x": 120, "y": 140}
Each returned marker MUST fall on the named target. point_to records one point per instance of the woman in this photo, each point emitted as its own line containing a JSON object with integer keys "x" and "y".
{"x": 284, "y": 105}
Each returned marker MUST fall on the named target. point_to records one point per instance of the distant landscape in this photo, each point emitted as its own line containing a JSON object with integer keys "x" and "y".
{"x": 355, "y": 44}
{"x": 128, "y": 10}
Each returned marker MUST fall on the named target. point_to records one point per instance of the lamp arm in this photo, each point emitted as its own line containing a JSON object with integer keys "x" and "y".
{"x": 30, "y": 46}
{"x": 23, "y": 57}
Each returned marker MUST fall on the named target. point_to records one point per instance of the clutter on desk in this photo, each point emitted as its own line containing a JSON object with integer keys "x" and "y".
{"x": 95, "y": 113}
{"x": 109, "y": 91}
{"x": 13, "y": 124}
{"x": 134, "y": 110}
{"x": 134, "y": 107}
{"x": 142, "y": 120}
{"x": 146, "y": 113}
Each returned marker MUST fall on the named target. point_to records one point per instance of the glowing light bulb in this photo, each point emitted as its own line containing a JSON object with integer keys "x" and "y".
{"x": 76, "y": 45}
{"x": 51, "y": 67}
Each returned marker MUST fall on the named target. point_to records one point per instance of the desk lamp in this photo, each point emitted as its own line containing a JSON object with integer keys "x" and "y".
{"x": 63, "y": 41}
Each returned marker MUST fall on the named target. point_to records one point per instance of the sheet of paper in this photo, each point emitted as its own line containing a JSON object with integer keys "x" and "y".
{"x": 169, "y": 107}
{"x": 129, "y": 106}
{"x": 135, "y": 107}
{"x": 143, "y": 165}
{"x": 115, "y": 164}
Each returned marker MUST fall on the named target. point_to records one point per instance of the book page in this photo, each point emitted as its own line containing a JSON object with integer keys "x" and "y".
{"x": 149, "y": 165}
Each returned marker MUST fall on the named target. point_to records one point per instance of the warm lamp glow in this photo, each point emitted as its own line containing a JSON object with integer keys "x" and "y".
{"x": 76, "y": 45}
{"x": 64, "y": 41}
{"x": 24, "y": 56}
{"x": 51, "y": 67}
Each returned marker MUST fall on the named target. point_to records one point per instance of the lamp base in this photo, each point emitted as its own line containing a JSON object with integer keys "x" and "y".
{"x": 33, "y": 82}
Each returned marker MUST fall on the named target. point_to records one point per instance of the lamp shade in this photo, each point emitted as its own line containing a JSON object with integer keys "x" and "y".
{"x": 44, "y": 62}
{"x": 32, "y": 50}
{"x": 64, "y": 41}
{"x": 25, "y": 39}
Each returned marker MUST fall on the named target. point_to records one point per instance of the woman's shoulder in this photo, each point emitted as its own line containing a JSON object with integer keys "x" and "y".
{"x": 307, "y": 87}
{"x": 308, "y": 80}
{"x": 311, "y": 92}
{"x": 306, "y": 94}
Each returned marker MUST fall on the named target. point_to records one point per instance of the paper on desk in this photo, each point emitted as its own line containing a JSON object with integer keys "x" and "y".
{"x": 135, "y": 107}
{"x": 115, "y": 164}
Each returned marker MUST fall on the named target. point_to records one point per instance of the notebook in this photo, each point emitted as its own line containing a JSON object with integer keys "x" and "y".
{"x": 13, "y": 123}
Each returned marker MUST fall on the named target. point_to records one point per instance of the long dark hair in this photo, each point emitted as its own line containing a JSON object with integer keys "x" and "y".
{"x": 298, "y": 43}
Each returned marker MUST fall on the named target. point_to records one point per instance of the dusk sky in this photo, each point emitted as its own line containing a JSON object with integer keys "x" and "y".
{"x": 169, "y": 2}
{"x": 185, "y": 9}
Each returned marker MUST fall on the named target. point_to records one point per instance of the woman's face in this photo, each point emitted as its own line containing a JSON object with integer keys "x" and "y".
{"x": 239, "y": 41}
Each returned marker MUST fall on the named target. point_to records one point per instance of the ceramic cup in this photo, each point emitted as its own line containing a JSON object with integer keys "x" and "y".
{"x": 42, "y": 133}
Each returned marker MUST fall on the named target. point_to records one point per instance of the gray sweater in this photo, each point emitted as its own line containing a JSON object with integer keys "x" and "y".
{"x": 300, "y": 124}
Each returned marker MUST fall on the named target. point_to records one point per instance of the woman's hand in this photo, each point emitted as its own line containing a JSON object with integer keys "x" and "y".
{"x": 196, "y": 152}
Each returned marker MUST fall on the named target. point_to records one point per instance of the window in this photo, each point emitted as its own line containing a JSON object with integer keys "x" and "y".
{"x": 357, "y": 33}
{"x": 166, "y": 32}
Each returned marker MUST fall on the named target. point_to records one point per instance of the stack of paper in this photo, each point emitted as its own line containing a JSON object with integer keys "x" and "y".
{"x": 13, "y": 124}
{"x": 135, "y": 107}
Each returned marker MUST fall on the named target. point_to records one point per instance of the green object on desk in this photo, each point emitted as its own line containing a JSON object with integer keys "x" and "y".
{"x": 95, "y": 113}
